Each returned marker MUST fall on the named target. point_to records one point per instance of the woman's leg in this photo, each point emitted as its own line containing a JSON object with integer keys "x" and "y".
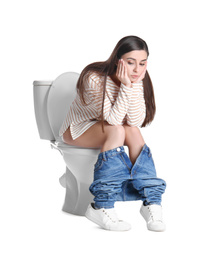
{"x": 113, "y": 136}
{"x": 134, "y": 141}
{"x": 106, "y": 182}
{"x": 143, "y": 170}
{"x": 150, "y": 187}
{"x": 94, "y": 137}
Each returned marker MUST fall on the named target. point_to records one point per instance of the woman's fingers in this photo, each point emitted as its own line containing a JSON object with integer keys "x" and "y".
{"x": 142, "y": 74}
{"x": 118, "y": 69}
{"x": 121, "y": 73}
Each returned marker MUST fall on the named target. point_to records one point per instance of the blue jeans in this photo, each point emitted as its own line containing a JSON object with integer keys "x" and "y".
{"x": 116, "y": 179}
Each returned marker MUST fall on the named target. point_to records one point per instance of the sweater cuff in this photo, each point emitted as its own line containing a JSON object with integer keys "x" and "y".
{"x": 138, "y": 84}
{"x": 126, "y": 88}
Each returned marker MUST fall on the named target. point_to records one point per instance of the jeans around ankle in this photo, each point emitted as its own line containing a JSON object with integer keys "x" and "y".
{"x": 116, "y": 179}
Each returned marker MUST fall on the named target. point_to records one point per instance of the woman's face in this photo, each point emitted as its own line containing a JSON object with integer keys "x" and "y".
{"x": 136, "y": 62}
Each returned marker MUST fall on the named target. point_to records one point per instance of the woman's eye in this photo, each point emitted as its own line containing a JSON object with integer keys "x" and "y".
{"x": 142, "y": 64}
{"x": 130, "y": 63}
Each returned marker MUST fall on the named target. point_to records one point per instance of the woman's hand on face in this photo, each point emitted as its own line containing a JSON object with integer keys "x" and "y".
{"x": 121, "y": 73}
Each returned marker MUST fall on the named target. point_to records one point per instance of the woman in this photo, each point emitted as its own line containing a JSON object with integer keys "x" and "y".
{"x": 114, "y": 99}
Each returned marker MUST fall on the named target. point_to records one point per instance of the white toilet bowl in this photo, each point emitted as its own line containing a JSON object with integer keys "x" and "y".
{"x": 52, "y": 100}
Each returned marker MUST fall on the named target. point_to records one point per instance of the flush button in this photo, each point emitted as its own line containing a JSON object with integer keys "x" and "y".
{"x": 118, "y": 149}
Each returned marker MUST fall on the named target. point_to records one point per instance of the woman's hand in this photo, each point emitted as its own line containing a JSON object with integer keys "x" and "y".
{"x": 121, "y": 73}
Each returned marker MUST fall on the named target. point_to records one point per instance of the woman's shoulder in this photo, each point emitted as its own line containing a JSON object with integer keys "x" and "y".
{"x": 95, "y": 76}
{"x": 95, "y": 79}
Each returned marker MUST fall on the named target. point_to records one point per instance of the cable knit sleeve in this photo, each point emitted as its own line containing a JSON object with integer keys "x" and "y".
{"x": 137, "y": 108}
{"x": 115, "y": 113}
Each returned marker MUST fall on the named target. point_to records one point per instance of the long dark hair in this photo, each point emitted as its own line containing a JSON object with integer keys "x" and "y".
{"x": 108, "y": 68}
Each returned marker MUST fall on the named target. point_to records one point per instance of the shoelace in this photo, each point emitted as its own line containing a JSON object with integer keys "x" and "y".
{"x": 111, "y": 214}
{"x": 155, "y": 213}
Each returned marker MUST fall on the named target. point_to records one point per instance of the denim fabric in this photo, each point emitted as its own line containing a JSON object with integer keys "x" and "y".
{"x": 116, "y": 179}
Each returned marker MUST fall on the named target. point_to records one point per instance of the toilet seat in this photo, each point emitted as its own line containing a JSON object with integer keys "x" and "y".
{"x": 61, "y": 95}
{"x": 63, "y": 147}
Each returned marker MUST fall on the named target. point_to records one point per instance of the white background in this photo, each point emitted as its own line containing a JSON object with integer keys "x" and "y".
{"x": 42, "y": 39}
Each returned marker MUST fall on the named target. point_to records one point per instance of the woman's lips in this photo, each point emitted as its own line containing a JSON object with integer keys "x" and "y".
{"x": 134, "y": 76}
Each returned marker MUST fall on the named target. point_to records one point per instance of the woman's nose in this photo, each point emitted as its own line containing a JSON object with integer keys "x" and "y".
{"x": 136, "y": 68}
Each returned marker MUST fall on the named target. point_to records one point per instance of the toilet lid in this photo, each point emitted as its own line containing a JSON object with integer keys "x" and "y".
{"x": 61, "y": 95}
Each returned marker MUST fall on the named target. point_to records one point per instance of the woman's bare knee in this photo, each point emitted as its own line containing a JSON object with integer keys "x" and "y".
{"x": 115, "y": 131}
{"x": 134, "y": 141}
{"x": 115, "y": 136}
{"x": 133, "y": 136}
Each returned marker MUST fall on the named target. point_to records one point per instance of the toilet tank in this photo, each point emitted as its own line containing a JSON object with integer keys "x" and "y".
{"x": 52, "y": 100}
{"x": 41, "y": 91}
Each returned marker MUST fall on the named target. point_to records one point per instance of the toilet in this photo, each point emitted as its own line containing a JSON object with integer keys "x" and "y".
{"x": 52, "y": 100}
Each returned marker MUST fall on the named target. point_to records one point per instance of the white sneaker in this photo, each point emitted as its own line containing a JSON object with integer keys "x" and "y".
{"x": 106, "y": 218}
{"x": 153, "y": 216}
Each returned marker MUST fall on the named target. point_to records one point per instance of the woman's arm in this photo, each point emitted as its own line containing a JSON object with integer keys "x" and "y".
{"x": 115, "y": 113}
{"x": 137, "y": 109}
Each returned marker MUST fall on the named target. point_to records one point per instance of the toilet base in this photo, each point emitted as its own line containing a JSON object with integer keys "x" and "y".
{"x": 77, "y": 197}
